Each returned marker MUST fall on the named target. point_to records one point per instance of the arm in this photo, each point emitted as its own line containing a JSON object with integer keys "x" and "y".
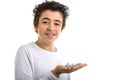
{"x": 67, "y": 68}
{"x": 24, "y": 68}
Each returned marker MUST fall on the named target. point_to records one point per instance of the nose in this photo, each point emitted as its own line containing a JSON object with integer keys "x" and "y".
{"x": 50, "y": 27}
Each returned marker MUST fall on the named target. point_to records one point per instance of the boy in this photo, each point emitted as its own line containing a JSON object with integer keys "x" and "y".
{"x": 40, "y": 60}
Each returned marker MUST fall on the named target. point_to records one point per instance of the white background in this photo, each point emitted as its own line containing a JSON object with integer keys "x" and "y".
{"x": 92, "y": 35}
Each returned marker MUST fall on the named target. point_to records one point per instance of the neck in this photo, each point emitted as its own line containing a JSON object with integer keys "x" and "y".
{"x": 47, "y": 47}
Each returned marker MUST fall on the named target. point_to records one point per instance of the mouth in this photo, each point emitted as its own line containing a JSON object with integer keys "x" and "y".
{"x": 49, "y": 35}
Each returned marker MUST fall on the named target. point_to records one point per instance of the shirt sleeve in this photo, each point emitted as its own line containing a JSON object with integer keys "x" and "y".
{"x": 24, "y": 67}
{"x": 49, "y": 76}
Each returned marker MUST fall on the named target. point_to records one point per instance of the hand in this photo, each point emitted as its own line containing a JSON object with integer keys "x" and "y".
{"x": 67, "y": 69}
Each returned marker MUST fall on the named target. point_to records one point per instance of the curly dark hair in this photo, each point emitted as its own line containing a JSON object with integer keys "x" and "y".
{"x": 50, "y": 5}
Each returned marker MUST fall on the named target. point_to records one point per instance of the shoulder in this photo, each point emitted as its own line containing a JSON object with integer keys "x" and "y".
{"x": 23, "y": 55}
{"x": 23, "y": 49}
{"x": 25, "y": 46}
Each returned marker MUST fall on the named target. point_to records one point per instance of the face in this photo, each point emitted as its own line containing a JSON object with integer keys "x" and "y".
{"x": 49, "y": 26}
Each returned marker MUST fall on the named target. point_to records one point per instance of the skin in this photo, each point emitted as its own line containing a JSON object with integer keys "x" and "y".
{"x": 67, "y": 69}
{"x": 49, "y": 29}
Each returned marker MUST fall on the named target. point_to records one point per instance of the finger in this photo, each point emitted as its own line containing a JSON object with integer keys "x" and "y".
{"x": 81, "y": 64}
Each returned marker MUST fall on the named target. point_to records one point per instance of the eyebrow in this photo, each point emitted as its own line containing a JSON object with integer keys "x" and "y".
{"x": 49, "y": 19}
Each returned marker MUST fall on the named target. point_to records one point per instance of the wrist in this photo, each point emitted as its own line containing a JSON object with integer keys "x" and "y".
{"x": 57, "y": 74}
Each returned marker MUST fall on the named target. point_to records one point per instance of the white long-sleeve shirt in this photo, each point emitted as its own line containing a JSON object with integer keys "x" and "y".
{"x": 34, "y": 63}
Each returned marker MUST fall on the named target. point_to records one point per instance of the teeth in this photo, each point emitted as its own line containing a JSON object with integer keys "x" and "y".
{"x": 50, "y": 35}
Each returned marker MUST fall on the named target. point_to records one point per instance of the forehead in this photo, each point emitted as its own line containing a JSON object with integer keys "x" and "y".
{"x": 52, "y": 15}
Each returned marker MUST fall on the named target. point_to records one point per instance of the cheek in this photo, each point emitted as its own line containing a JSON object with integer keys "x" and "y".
{"x": 41, "y": 28}
{"x": 59, "y": 31}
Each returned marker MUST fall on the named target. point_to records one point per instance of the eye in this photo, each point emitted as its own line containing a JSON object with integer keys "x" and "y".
{"x": 45, "y": 22}
{"x": 57, "y": 24}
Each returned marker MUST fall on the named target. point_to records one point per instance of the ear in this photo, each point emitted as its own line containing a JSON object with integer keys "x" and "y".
{"x": 36, "y": 27}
